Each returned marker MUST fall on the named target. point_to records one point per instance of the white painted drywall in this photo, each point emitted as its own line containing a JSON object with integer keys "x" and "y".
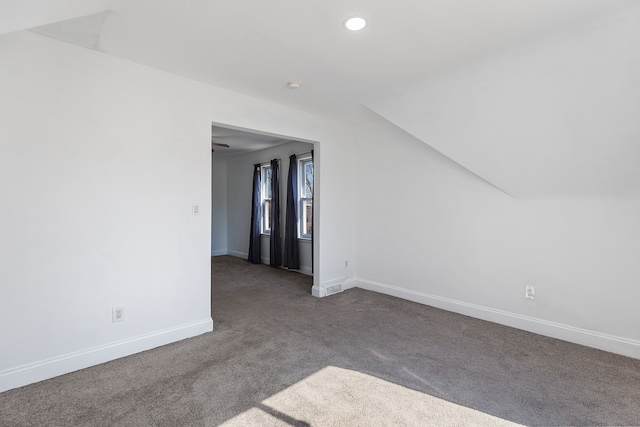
{"x": 101, "y": 163}
{"x": 431, "y": 231}
{"x": 219, "y": 206}
{"x": 555, "y": 125}
{"x": 240, "y": 187}
{"x": 101, "y": 160}
{"x": 557, "y": 118}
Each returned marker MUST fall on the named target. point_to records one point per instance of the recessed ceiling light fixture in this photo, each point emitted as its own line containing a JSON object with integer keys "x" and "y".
{"x": 355, "y": 23}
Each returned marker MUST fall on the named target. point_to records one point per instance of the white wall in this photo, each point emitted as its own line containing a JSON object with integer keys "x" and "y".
{"x": 240, "y": 178}
{"x": 219, "y": 206}
{"x": 101, "y": 160}
{"x": 556, "y": 126}
{"x": 556, "y": 118}
{"x": 433, "y": 232}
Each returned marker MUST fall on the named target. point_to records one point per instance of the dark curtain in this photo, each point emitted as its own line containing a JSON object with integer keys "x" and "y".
{"x": 291, "y": 256}
{"x": 275, "y": 242}
{"x": 255, "y": 252}
{"x": 313, "y": 203}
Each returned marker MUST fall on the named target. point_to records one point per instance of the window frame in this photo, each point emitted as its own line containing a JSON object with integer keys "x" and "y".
{"x": 265, "y": 202}
{"x": 302, "y": 202}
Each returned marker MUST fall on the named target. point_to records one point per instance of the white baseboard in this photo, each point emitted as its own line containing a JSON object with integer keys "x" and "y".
{"x": 610, "y": 343}
{"x": 49, "y": 368}
{"x": 238, "y": 254}
{"x": 320, "y": 291}
{"x": 305, "y": 270}
{"x": 219, "y": 252}
{"x": 349, "y": 283}
{"x": 265, "y": 260}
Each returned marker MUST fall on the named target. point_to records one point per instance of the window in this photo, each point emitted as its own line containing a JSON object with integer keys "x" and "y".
{"x": 305, "y": 194}
{"x": 265, "y": 198}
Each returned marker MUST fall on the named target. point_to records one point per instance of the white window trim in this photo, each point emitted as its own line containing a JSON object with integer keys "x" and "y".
{"x": 301, "y": 161}
{"x": 263, "y": 191}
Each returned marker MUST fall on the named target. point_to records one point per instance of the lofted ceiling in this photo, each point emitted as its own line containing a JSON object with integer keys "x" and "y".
{"x": 255, "y": 47}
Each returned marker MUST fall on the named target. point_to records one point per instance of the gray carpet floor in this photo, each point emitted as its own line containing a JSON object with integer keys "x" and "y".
{"x": 278, "y": 356}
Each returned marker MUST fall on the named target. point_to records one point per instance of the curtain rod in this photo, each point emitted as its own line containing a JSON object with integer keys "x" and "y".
{"x": 279, "y": 159}
{"x": 297, "y": 155}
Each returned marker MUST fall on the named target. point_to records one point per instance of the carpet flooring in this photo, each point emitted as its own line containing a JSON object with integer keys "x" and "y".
{"x": 279, "y": 357}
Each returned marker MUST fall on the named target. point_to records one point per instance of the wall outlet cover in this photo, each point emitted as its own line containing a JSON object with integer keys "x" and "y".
{"x": 529, "y": 292}
{"x": 117, "y": 314}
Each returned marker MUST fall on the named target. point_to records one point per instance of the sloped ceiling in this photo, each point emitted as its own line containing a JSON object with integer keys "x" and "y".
{"x": 559, "y": 119}
{"x": 23, "y": 15}
{"x": 534, "y": 96}
{"x": 84, "y": 31}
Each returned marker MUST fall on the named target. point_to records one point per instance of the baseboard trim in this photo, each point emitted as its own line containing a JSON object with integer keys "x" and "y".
{"x": 238, "y": 254}
{"x": 349, "y": 283}
{"x": 606, "y": 342}
{"x": 302, "y": 270}
{"x": 265, "y": 260}
{"x": 219, "y": 252}
{"x": 60, "y": 365}
{"x": 305, "y": 270}
{"x": 320, "y": 291}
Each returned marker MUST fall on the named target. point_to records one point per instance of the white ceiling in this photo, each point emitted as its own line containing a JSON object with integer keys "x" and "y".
{"x": 255, "y": 47}
{"x": 241, "y": 141}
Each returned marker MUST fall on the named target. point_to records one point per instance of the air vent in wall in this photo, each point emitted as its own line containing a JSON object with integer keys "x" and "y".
{"x": 334, "y": 289}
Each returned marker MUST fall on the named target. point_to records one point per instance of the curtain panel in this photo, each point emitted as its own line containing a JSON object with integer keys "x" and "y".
{"x": 255, "y": 249}
{"x": 291, "y": 255}
{"x": 275, "y": 241}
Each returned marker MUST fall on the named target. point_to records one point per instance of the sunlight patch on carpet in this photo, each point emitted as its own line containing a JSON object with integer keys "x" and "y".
{"x": 336, "y": 396}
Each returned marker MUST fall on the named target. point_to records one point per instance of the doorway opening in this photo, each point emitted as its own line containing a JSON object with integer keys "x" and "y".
{"x": 235, "y": 154}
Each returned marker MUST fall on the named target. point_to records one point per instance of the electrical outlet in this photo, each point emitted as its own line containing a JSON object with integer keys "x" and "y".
{"x": 529, "y": 292}
{"x": 117, "y": 314}
{"x": 346, "y": 263}
{"x": 195, "y": 209}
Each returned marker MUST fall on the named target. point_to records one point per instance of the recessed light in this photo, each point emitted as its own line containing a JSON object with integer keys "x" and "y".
{"x": 355, "y": 23}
